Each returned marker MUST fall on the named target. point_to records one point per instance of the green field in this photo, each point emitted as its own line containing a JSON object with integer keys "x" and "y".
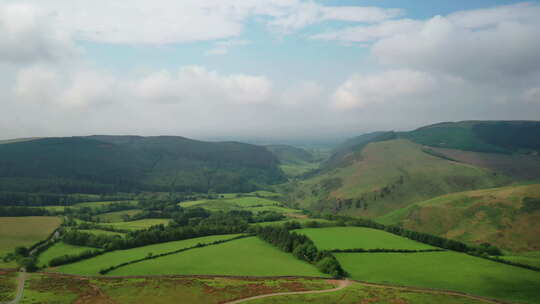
{"x": 60, "y": 249}
{"x": 359, "y": 237}
{"x": 24, "y": 231}
{"x": 100, "y": 204}
{"x": 360, "y": 294}
{"x": 58, "y": 289}
{"x": 244, "y": 257}
{"x": 528, "y": 258}
{"x": 93, "y": 265}
{"x": 7, "y": 285}
{"x": 302, "y": 221}
{"x": 445, "y": 270}
{"x": 117, "y": 216}
{"x": 138, "y": 225}
{"x": 253, "y": 204}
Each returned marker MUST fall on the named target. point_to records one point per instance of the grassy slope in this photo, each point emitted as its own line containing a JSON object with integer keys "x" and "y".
{"x": 56, "y": 289}
{"x": 490, "y": 215}
{"x": 24, "y": 231}
{"x": 445, "y": 270}
{"x": 357, "y": 293}
{"x": 60, "y": 249}
{"x": 384, "y": 164}
{"x": 94, "y": 265}
{"x": 253, "y": 204}
{"x": 245, "y": 257}
{"x": 117, "y": 216}
{"x": 358, "y": 237}
{"x": 138, "y": 225}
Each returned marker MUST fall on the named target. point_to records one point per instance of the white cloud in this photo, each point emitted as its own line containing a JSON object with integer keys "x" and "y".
{"x": 26, "y": 36}
{"x": 303, "y": 94}
{"x": 223, "y": 47}
{"x": 371, "y": 32}
{"x": 362, "y": 91}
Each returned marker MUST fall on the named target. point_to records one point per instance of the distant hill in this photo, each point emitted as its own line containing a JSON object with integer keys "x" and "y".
{"x": 507, "y": 217}
{"x": 103, "y": 164}
{"x": 376, "y": 173}
{"x": 290, "y": 155}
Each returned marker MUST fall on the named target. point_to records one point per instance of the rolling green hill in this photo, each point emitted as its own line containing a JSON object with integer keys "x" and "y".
{"x": 508, "y": 217}
{"x": 386, "y": 176}
{"x": 104, "y": 164}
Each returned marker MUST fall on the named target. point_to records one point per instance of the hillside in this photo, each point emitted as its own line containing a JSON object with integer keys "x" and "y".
{"x": 507, "y": 217}
{"x": 389, "y": 175}
{"x": 104, "y": 164}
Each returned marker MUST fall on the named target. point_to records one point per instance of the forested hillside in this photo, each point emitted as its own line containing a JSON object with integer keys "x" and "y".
{"x": 109, "y": 164}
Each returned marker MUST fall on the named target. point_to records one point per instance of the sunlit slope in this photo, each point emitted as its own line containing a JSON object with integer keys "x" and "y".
{"x": 508, "y": 217}
{"x": 389, "y": 175}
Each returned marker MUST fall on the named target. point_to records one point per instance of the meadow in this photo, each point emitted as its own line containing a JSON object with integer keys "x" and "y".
{"x": 101, "y": 232}
{"x": 117, "y": 216}
{"x": 7, "y": 285}
{"x": 137, "y": 225}
{"x": 21, "y": 231}
{"x": 58, "y": 289}
{"x": 300, "y": 220}
{"x": 359, "y": 237}
{"x": 93, "y": 265}
{"x": 243, "y": 257}
{"x": 59, "y": 249}
{"x": 249, "y": 203}
{"x": 445, "y": 270}
{"x": 528, "y": 258}
{"x": 358, "y": 293}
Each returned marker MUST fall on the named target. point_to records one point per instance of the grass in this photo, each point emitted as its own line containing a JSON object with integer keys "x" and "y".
{"x": 382, "y": 165}
{"x": 8, "y": 285}
{"x": 60, "y": 249}
{"x": 295, "y": 170}
{"x": 253, "y": 204}
{"x": 358, "y": 293}
{"x": 302, "y": 221}
{"x": 244, "y": 257}
{"x": 24, "y": 231}
{"x": 117, "y": 216}
{"x": 58, "y": 289}
{"x": 358, "y": 237}
{"x": 93, "y": 265}
{"x": 100, "y": 204}
{"x": 139, "y": 224}
{"x": 102, "y": 232}
{"x": 445, "y": 270}
{"x": 490, "y": 215}
{"x": 528, "y": 258}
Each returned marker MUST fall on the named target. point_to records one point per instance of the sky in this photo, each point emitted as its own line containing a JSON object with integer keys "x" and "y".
{"x": 265, "y": 69}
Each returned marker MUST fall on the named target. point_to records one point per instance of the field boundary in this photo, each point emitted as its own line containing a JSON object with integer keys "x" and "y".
{"x": 203, "y": 276}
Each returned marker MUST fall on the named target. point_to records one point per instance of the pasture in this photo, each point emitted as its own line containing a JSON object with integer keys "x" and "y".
{"x": 358, "y": 293}
{"x": 60, "y": 249}
{"x": 100, "y": 204}
{"x": 301, "y": 221}
{"x": 24, "y": 231}
{"x": 243, "y": 257}
{"x": 528, "y": 258}
{"x": 117, "y": 216}
{"x": 102, "y": 232}
{"x": 359, "y": 237}
{"x": 253, "y": 204}
{"x": 138, "y": 225}
{"x": 93, "y": 265}
{"x": 445, "y": 270}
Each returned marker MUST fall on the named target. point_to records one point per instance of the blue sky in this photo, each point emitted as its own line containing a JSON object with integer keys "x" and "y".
{"x": 264, "y": 68}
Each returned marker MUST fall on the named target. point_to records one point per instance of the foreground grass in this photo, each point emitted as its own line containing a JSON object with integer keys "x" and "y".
{"x": 359, "y": 237}
{"x": 93, "y": 265}
{"x": 357, "y": 293}
{"x": 60, "y": 249}
{"x": 445, "y": 270}
{"x": 57, "y": 289}
{"x": 244, "y": 257}
{"x": 8, "y": 285}
{"x": 24, "y": 231}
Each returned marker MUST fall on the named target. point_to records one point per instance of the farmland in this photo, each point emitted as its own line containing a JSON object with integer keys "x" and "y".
{"x": 137, "y": 225}
{"x": 60, "y": 249}
{"x": 245, "y": 257}
{"x": 21, "y": 231}
{"x": 252, "y": 203}
{"x": 117, "y": 216}
{"x": 93, "y": 265}
{"x": 100, "y": 232}
{"x": 445, "y": 270}
{"x": 357, "y": 237}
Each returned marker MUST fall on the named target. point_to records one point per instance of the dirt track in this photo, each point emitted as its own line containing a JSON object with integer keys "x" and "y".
{"x": 20, "y": 289}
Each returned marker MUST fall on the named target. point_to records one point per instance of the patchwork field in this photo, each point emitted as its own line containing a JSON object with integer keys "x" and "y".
{"x": 359, "y": 237}
{"x": 244, "y": 257}
{"x": 93, "y": 265}
{"x": 58, "y": 289}
{"x": 358, "y": 293}
{"x": 138, "y": 225}
{"x": 117, "y": 216}
{"x": 253, "y": 204}
{"x": 24, "y": 231}
{"x": 508, "y": 217}
{"x": 445, "y": 270}
{"x": 60, "y": 249}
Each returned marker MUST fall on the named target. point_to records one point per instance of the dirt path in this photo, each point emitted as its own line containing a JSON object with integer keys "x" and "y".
{"x": 340, "y": 285}
{"x": 20, "y": 288}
